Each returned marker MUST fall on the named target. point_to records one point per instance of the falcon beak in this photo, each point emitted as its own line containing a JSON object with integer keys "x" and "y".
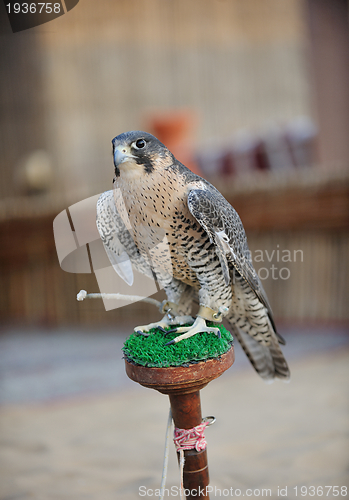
{"x": 120, "y": 155}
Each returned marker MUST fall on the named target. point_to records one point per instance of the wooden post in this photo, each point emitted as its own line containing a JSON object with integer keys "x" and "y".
{"x": 183, "y": 385}
{"x": 186, "y": 413}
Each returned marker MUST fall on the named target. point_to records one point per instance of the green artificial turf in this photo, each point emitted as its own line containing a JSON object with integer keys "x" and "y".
{"x": 151, "y": 351}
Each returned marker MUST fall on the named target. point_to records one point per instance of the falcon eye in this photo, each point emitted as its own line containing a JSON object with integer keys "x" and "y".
{"x": 140, "y": 144}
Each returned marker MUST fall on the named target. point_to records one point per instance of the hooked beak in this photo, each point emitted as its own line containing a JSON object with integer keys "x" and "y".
{"x": 120, "y": 155}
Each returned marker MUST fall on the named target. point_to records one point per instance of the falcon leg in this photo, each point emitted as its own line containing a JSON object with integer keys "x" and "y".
{"x": 199, "y": 326}
{"x": 176, "y": 307}
{"x": 165, "y": 322}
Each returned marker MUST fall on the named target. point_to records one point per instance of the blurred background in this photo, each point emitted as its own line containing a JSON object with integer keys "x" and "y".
{"x": 251, "y": 94}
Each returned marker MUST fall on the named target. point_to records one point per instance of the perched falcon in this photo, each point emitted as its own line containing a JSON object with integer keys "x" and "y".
{"x": 175, "y": 225}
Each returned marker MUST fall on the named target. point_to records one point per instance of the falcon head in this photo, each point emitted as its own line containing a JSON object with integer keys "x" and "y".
{"x": 136, "y": 153}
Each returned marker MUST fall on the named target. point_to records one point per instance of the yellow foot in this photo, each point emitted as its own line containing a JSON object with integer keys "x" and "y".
{"x": 199, "y": 326}
{"x": 164, "y": 323}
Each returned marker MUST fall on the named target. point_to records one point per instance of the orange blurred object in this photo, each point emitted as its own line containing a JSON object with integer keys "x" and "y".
{"x": 175, "y": 129}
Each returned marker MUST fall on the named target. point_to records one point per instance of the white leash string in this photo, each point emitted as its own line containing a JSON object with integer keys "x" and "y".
{"x": 82, "y": 295}
{"x": 166, "y": 455}
{"x": 184, "y": 439}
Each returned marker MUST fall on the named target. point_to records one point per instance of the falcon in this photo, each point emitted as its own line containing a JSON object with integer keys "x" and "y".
{"x": 168, "y": 223}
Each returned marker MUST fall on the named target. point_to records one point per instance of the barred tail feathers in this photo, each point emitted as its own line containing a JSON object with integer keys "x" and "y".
{"x": 268, "y": 361}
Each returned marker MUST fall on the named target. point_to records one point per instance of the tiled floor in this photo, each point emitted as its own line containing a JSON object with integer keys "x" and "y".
{"x": 41, "y": 365}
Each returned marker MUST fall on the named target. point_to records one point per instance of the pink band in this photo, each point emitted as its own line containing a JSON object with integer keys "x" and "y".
{"x": 190, "y": 439}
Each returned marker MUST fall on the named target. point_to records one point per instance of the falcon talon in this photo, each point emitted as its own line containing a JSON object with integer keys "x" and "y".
{"x": 174, "y": 330}
{"x": 166, "y": 332}
{"x": 142, "y": 333}
{"x": 162, "y": 329}
{"x": 171, "y": 342}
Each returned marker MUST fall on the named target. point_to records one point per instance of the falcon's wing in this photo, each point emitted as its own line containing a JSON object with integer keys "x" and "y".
{"x": 224, "y": 227}
{"x": 117, "y": 240}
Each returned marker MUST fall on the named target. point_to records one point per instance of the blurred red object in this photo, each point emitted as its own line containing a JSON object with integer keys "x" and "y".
{"x": 175, "y": 129}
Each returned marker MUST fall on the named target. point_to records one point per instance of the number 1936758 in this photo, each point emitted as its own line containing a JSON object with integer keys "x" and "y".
{"x": 320, "y": 491}
{"x": 33, "y": 8}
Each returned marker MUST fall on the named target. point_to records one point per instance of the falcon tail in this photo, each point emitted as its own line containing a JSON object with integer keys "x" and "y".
{"x": 268, "y": 361}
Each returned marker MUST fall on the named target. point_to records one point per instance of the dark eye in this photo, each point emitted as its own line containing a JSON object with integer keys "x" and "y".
{"x": 140, "y": 144}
